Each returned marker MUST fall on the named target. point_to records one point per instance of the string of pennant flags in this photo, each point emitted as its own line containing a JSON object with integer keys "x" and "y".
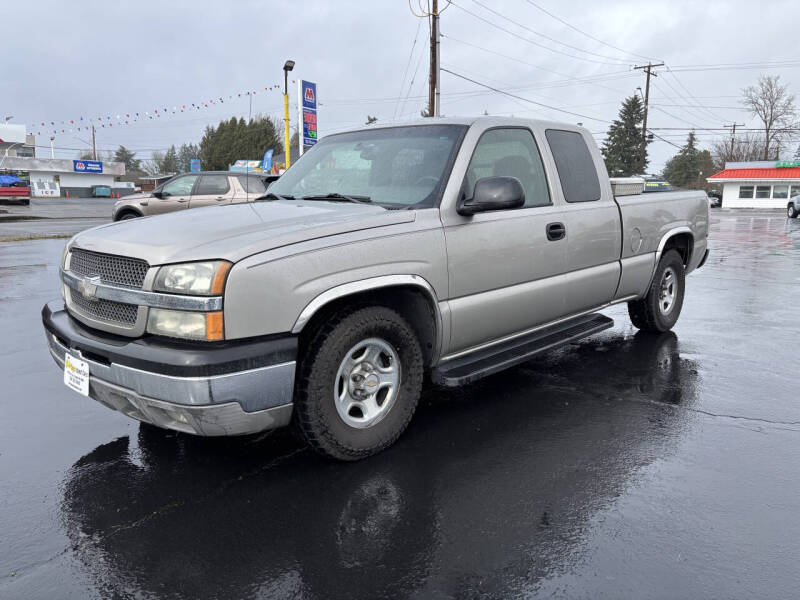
{"x": 85, "y": 123}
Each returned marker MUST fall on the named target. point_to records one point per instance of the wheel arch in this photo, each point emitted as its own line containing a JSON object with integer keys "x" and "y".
{"x": 678, "y": 238}
{"x": 125, "y": 210}
{"x": 410, "y": 295}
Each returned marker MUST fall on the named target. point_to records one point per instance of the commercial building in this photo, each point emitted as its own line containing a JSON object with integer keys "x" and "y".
{"x": 14, "y": 141}
{"x": 758, "y": 184}
{"x": 74, "y": 177}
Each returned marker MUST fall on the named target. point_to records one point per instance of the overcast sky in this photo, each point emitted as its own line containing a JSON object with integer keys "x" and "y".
{"x": 64, "y": 60}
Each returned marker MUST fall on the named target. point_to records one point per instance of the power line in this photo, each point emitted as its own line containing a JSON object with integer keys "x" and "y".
{"x": 587, "y": 79}
{"x": 669, "y": 114}
{"x": 526, "y": 28}
{"x": 499, "y": 91}
{"x": 699, "y": 104}
{"x": 530, "y": 41}
{"x": 408, "y": 65}
{"x": 591, "y": 37}
{"x": 694, "y": 113}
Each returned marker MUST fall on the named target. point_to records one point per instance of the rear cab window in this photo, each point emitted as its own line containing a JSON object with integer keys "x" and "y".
{"x": 576, "y": 169}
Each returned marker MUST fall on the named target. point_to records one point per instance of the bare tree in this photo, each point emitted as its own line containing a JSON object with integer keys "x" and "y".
{"x": 152, "y": 166}
{"x": 774, "y": 105}
{"x": 744, "y": 148}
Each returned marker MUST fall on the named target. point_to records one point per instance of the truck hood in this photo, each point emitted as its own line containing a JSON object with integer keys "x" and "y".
{"x": 235, "y": 231}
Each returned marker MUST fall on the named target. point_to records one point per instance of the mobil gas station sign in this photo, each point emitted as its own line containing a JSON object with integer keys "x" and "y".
{"x": 308, "y": 95}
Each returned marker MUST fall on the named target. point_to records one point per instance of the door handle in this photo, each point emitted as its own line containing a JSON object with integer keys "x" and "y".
{"x": 556, "y": 231}
{"x": 183, "y": 199}
{"x": 220, "y": 198}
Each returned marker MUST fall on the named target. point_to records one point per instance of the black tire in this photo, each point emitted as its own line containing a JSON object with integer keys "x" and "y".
{"x": 128, "y": 214}
{"x": 646, "y": 313}
{"x": 791, "y": 211}
{"x": 316, "y": 415}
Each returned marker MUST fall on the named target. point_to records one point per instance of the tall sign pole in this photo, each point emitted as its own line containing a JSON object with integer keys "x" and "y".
{"x": 286, "y": 136}
{"x": 648, "y": 68}
{"x": 288, "y": 66}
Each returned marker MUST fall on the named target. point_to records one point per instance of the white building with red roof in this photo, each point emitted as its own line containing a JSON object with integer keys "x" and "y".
{"x": 760, "y": 184}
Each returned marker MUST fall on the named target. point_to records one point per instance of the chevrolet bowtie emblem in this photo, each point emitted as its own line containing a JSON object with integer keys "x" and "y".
{"x": 88, "y": 287}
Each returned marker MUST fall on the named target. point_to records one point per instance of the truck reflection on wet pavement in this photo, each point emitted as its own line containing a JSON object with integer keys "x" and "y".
{"x": 626, "y": 465}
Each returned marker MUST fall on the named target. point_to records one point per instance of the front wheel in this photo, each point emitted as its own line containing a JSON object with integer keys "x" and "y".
{"x": 359, "y": 383}
{"x": 791, "y": 211}
{"x": 659, "y": 310}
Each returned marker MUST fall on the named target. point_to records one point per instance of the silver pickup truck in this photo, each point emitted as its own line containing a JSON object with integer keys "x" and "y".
{"x": 454, "y": 247}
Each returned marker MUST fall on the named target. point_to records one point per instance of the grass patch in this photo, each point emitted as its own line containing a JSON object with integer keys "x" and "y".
{"x": 44, "y": 236}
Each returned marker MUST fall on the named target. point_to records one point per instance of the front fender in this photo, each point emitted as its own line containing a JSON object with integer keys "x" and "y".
{"x": 279, "y": 291}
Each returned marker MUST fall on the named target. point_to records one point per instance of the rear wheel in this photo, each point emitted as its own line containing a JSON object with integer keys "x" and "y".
{"x": 659, "y": 310}
{"x": 359, "y": 383}
{"x": 791, "y": 211}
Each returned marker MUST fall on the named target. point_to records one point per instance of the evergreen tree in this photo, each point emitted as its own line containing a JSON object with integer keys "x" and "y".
{"x": 623, "y": 144}
{"x": 185, "y": 154}
{"x": 124, "y": 155}
{"x": 169, "y": 163}
{"x": 690, "y": 166}
{"x": 237, "y": 139}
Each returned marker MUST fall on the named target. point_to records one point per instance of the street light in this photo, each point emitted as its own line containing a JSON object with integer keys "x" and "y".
{"x": 5, "y": 156}
{"x": 9, "y": 118}
{"x": 288, "y": 66}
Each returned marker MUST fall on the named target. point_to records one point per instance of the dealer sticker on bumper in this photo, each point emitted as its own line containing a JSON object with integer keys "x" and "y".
{"x": 76, "y": 374}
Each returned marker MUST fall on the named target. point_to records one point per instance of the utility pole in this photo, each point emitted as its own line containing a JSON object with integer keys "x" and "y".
{"x": 733, "y": 136}
{"x": 94, "y": 145}
{"x": 433, "y": 79}
{"x": 648, "y": 68}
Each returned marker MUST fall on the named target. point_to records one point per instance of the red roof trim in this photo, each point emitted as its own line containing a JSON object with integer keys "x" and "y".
{"x": 773, "y": 173}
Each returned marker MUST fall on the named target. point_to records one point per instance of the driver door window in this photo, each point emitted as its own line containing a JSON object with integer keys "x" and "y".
{"x": 510, "y": 153}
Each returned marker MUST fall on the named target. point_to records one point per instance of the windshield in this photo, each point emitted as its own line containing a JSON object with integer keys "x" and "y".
{"x": 396, "y": 167}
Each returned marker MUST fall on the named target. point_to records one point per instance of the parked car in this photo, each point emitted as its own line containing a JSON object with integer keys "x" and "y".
{"x": 191, "y": 190}
{"x": 457, "y": 247}
{"x": 793, "y": 207}
{"x": 714, "y": 199}
{"x": 14, "y": 190}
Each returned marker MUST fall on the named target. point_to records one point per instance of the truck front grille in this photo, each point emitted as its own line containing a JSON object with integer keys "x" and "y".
{"x": 115, "y": 270}
{"x": 114, "y": 313}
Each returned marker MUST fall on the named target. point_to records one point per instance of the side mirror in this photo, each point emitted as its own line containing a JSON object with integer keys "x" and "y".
{"x": 158, "y": 194}
{"x": 493, "y": 193}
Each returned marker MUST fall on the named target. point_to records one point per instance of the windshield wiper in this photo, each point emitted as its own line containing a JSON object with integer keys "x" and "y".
{"x": 274, "y": 196}
{"x": 334, "y": 197}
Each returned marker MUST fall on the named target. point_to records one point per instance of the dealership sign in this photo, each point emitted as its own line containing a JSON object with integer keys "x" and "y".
{"x": 87, "y": 166}
{"x": 308, "y": 94}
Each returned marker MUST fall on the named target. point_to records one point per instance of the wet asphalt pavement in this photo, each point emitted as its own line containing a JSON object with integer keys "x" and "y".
{"x": 627, "y": 465}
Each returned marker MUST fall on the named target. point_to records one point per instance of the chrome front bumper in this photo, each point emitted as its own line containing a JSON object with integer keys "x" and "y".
{"x": 234, "y": 403}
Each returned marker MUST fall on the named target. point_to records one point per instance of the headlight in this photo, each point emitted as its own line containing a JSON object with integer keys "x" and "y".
{"x": 198, "y": 278}
{"x": 188, "y": 325}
